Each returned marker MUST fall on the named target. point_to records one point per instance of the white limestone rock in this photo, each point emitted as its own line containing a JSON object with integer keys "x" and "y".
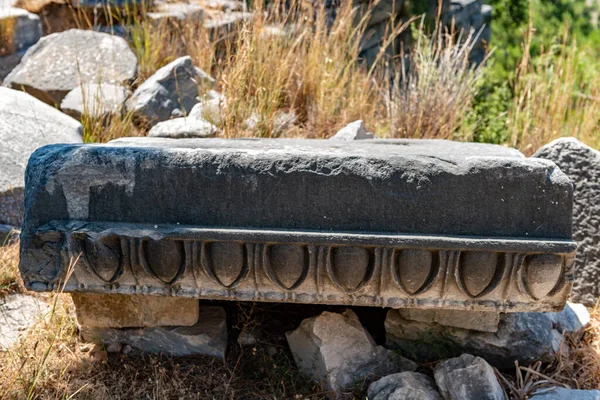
{"x": 96, "y": 100}
{"x": 181, "y": 128}
{"x": 353, "y": 131}
{"x": 60, "y": 62}
{"x": 17, "y": 313}
{"x": 335, "y": 349}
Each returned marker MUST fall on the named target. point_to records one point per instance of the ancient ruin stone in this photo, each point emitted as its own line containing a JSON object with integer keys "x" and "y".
{"x": 181, "y": 128}
{"x": 335, "y": 349}
{"x": 386, "y": 223}
{"x": 353, "y": 131}
{"x": 17, "y": 313}
{"x": 525, "y": 337}
{"x": 95, "y": 100}
{"x": 120, "y": 311}
{"x": 60, "y": 62}
{"x": 581, "y": 164}
{"x": 558, "y": 393}
{"x": 171, "y": 92}
{"x": 468, "y": 377}
{"x": 207, "y": 337}
{"x": 404, "y": 386}
{"x": 475, "y": 320}
{"x": 26, "y": 124}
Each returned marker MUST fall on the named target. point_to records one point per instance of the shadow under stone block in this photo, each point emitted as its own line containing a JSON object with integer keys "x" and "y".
{"x": 388, "y": 223}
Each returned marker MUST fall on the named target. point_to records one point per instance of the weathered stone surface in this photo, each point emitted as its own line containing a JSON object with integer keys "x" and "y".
{"x": 474, "y": 320}
{"x": 185, "y": 127}
{"x": 177, "y": 12}
{"x": 382, "y": 222}
{"x": 335, "y": 349}
{"x": 526, "y": 337}
{"x": 17, "y": 313}
{"x": 404, "y": 386}
{"x": 26, "y": 124}
{"x": 209, "y": 109}
{"x": 353, "y": 131}
{"x": 8, "y": 63}
{"x": 121, "y": 311}
{"x": 171, "y": 92}
{"x": 581, "y": 164}
{"x": 95, "y": 100}
{"x": 559, "y": 393}
{"x": 60, "y": 62}
{"x": 468, "y": 378}
{"x": 26, "y": 29}
{"x": 207, "y": 337}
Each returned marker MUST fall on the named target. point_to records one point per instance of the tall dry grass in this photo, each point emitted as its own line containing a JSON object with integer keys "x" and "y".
{"x": 552, "y": 98}
{"x": 435, "y": 87}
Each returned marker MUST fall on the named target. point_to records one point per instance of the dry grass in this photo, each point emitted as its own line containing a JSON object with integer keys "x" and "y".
{"x": 7, "y": 45}
{"x": 10, "y": 280}
{"x": 433, "y": 95}
{"x": 552, "y": 98}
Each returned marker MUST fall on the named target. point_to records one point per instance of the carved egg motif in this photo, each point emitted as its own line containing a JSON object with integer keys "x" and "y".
{"x": 225, "y": 262}
{"x": 541, "y": 273}
{"x": 415, "y": 270}
{"x": 104, "y": 257}
{"x": 164, "y": 259}
{"x": 350, "y": 268}
{"x": 286, "y": 265}
{"x": 479, "y": 272}
{"x": 47, "y": 255}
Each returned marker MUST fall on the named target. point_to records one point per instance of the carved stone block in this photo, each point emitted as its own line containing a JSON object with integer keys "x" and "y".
{"x": 391, "y": 223}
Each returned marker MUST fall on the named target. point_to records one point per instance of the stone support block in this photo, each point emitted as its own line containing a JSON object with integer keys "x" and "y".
{"x": 121, "y": 311}
{"x": 388, "y": 223}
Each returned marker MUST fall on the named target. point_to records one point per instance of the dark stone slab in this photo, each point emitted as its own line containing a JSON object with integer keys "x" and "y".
{"x": 399, "y": 223}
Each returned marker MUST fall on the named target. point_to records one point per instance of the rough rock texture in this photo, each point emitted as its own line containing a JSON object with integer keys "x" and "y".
{"x": 379, "y": 222}
{"x": 171, "y": 92}
{"x": 96, "y": 100}
{"x": 353, "y": 131}
{"x": 468, "y": 378}
{"x": 26, "y": 124}
{"x": 207, "y": 337}
{"x": 60, "y": 62}
{"x": 475, "y": 320}
{"x": 335, "y": 349}
{"x": 404, "y": 386}
{"x": 582, "y": 165}
{"x": 26, "y": 29}
{"x": 17, "y": 313}
{"x": 559, "y": 393}
{"x": 121, "y": 311}
{"x": 185, "y": 127}
{"x": 209, "y": 109}
{"x": 525, "y": 337}
{"x": 177, "y": 12}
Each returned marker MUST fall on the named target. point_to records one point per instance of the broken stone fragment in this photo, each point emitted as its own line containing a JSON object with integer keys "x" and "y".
{"x": 182, "y": 128}
{"x": 468, "y": 378}
{"x": 353, "y": 131}
{"x": 207, "y": 337}
{"x": 136, "y": 311}
{"x": 526, "y": 337}
{"x": 60, "y": 62}
{"x": 171, "y": 92}
{"x": 335, "y": 349}
{"x": 559, "y": 393}
{"x": 404, "y": 386}
{"x": 581, "y": 164}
